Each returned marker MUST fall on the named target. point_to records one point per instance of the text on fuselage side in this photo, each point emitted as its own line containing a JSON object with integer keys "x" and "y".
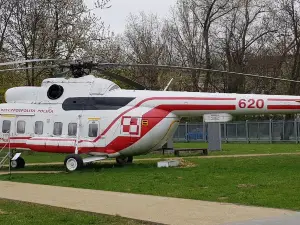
{"x": 27, "y": 110}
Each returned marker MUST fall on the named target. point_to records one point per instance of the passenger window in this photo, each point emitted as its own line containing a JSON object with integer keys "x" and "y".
{"x": 6, "y": 126}
{"x": 57, "y": 129}
{"x": 38, "y": 127}
{"x": 72, "y": 129}
{"x": 21, "y": 127}
{"x": 93, "y": 130}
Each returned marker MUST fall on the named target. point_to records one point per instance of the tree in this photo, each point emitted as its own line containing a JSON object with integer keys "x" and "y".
{"x": 144, "y": 44}
{"x": 49, "y": 29}
{"x": 245, "y": 29}
{"x": 6, "y": 10}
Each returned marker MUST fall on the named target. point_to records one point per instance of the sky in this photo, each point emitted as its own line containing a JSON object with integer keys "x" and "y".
{"x": 117, "y": 15}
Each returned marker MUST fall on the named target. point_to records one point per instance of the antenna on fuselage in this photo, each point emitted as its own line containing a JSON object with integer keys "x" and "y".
{"x": 168, "y": 85}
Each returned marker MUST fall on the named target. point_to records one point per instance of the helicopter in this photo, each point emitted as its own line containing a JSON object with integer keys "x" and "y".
{"x": 92, "y": 116}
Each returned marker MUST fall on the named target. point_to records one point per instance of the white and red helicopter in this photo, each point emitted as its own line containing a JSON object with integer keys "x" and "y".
{"x": 94, "y": 116}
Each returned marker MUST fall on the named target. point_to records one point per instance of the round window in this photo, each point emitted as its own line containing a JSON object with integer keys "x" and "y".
{"x": 55, "y": 91}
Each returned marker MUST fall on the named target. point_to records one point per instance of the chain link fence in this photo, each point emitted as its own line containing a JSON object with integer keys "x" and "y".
{"x": 270, "y": 131}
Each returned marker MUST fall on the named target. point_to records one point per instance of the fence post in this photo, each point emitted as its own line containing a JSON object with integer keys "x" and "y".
{"x": 205, "y": 132}
{"x": 186, "y": 132}
{"x": 297, "y": 133}
{"x": 283, "y": 125}
{"x": 270, "y": 131}
{"x": 247, "y": 133}
{"x": 225, "y": 132}
{"x": 295, "y": 130}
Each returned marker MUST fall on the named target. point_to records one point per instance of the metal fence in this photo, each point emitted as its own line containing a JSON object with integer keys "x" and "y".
{"x": 270, "y": 131}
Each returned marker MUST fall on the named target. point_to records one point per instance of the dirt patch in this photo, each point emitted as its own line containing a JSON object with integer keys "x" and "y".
{"x": 186, "y": 164}
{"x": 246, "y": 185}
{"x": 2, "y": 212}
{"x": 223, "y": 198}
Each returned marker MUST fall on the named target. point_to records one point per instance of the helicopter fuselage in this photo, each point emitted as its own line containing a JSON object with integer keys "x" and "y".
{"x": 100, "y": 119}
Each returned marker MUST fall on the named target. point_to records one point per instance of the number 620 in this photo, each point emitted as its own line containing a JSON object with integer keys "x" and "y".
{"x": 251, "y": 103}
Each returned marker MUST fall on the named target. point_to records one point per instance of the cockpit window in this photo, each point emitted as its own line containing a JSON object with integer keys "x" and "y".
{"x": 115, "y": 87}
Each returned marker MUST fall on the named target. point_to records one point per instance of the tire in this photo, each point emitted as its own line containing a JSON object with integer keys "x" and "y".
{"x": 21, "y": 162}
{"x": 18, "y": 163}
{"x": 130, "y": 159}
{"x": 73, "y": 162}
{"x": 121, "y": 160}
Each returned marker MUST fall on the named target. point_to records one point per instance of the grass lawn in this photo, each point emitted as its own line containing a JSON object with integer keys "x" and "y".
{"x": 272, "y": 181}
{"x": 12, "y": 212}
{"x": 228, "y": 149}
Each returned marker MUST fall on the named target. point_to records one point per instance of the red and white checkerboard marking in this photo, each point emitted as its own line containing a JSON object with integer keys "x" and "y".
{"x": 130, "y": 126}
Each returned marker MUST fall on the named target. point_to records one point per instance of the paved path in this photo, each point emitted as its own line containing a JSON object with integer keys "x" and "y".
{"x": 142, "y": 207}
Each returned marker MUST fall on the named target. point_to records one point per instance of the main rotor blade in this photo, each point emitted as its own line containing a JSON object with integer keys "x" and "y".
{"x": 193, "y": 68}
{"x": 29, "y": 68}
{"x": 121, "y": 78}
{"x": 28, "y": 61}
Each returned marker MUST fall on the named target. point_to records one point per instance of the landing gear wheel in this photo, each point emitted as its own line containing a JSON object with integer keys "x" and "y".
{"x": 73, "y": 162}
{"x": 122, "y": 160}
{"x": 18, "y": 163}
{"x": 130, "y": 159}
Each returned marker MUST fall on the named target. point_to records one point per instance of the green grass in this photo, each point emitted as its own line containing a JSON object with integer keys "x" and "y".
{"x": 272, "y": 181}
{"x": 12, "y": 212}
{"x": 228, "y": 149}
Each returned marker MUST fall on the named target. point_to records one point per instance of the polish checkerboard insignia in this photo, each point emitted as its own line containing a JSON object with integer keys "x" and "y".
{"x": 130, "y": 126}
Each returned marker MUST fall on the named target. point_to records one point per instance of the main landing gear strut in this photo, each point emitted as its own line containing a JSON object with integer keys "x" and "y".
{"x": 75, "y": 162}
{"x": 123, "y": 160}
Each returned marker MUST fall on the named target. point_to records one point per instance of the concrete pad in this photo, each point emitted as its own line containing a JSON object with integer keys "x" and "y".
{"x": 282, "y": 220}
{"x": 142, "y": 207}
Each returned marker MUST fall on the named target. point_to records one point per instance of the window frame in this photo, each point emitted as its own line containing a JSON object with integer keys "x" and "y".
{"x": 17, "y": 130}
{"x": 3, "y": 126}
{"x": 90, "y": 131}
{"x": 36, "y": 127}
{"x": 61, "y": 128}
{"x": 72, "y": 135}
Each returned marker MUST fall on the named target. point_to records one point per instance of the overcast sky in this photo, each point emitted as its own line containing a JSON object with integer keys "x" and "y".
{"x": 116, "y": 16}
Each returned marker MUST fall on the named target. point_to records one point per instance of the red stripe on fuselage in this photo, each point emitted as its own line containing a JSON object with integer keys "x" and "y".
{"x": 171, "y": 108}
{"x": 282, "y": 99}
{"x": 283, "y": 107}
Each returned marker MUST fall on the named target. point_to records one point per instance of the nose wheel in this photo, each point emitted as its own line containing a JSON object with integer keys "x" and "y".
{"x": 18, "y": 163}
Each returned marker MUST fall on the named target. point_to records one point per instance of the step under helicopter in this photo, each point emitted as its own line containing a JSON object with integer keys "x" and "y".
{"x": 88, "y": 115}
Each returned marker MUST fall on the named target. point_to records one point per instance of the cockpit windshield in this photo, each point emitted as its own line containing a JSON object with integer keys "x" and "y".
{"x": 115, "y": 87}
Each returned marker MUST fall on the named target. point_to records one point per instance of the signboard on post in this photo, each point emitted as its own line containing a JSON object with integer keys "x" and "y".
{"x": 214, "y": 129}
{"x": 217, "y": 118}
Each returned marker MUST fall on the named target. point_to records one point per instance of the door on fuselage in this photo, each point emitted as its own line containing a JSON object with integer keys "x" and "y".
{"x": 93, "y": 128}
{"x": 7, "y": 128}
{"x": 8, "y": 125}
